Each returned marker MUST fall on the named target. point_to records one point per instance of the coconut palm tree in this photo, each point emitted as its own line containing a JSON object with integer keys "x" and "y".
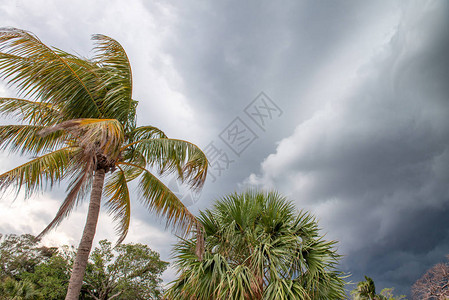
{"x": 78, "y": 121}
{"x": 257, "y": 247}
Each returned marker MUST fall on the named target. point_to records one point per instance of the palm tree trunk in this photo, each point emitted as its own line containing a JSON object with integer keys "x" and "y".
{"x": 82, "y": 255}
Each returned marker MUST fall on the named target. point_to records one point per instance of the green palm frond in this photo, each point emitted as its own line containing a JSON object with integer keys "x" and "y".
{"x": 25, "y": 138}
{"x": 19, "y": 290}
{"x": 118, "y": 201}
{"x": 132, "y": 169}
{"x": 157, "y": 197}
{"x": 37, "y": 113}
{"x": 287, "y": 289}
{"x": 116, "y": 83}
{"x": 38, "y": 71}
{"x": 146, "y": 133}
{"x": 131, "y": 155}
{"x": 176, "y": 156}
{"x": 213, "y": 277}
{"x": 49, "y": 168}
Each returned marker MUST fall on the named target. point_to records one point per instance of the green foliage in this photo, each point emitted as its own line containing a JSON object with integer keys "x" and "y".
{"x": 258, "y": 247}
{"x": 366, "y": 290}
{"x": 128, "y": 271}
{"x": 51, "y": 277}
{"x": 19, "y": 254}
{"x": 11, "y": 289}
{"x": 23, "y": 261}
{"x": 387, "y": 293}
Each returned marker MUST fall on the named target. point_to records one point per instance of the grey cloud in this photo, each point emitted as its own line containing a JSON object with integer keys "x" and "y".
{"x": 227, "y": 53}
{"x": 368, "y": 152}
{"x": 374, "y": 163}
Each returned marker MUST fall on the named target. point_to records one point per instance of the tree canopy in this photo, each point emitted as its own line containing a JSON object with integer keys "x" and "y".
{"x": 434, "y": 284}
{"x": 258, "y": 246}
{"x": 128, "y": 271}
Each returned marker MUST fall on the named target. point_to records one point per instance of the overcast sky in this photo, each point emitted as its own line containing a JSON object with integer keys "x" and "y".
{"x": 341, "y": 106}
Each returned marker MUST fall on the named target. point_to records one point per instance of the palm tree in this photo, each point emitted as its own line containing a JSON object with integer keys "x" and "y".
{"x": 257, "y": 247}
{"x": 11, "y": 289}
{"x": 80, "y": 125}
{"x": 366, "y": 290}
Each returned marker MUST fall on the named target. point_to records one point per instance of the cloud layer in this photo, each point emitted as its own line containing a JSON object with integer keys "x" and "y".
{"x": 363, "y": 138}
{"x": 373, "y": 164}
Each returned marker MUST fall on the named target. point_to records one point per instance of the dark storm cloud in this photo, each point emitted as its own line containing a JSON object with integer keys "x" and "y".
{"x": 374, "y": 165}
{"x": 226, "y": 53}
{"x": 362, "y": 85}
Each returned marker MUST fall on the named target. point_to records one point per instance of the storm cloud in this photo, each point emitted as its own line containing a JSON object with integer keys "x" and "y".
{"x": 363, "y": 138}
{"x": 373, "y": 165}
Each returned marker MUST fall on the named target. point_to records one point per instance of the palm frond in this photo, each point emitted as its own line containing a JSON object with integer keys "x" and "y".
{"x": 116, "y": 83}
{"x": 118, "y": 202}
{"x": 133, "y": 156}
{"x": 176, "y": 156}
{"x": 159, "y": 198}
{"x": 145, "y": 133}
{"x": 287, "y": 289}
{"x": 49, "y": 168}
{"x": 212, "y": 278}
{"x": 25, "y": 138}
{"x": 93, "y": 135}
{"x": 133, "y": 168}
{"x": 40, "y": 72}
{"x": 31, "y": 111}
{"x": 81, "y": 179}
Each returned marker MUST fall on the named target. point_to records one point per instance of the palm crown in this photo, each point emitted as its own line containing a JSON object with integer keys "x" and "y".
{"x": 82, "y": 120}
{"x": 258, "y": 247}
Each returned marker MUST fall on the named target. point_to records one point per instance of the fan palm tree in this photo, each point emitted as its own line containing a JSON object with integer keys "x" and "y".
{"x": 257, "y": 247}
{"x": 18, "y": 290}
{"x": 80, "y": 125}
